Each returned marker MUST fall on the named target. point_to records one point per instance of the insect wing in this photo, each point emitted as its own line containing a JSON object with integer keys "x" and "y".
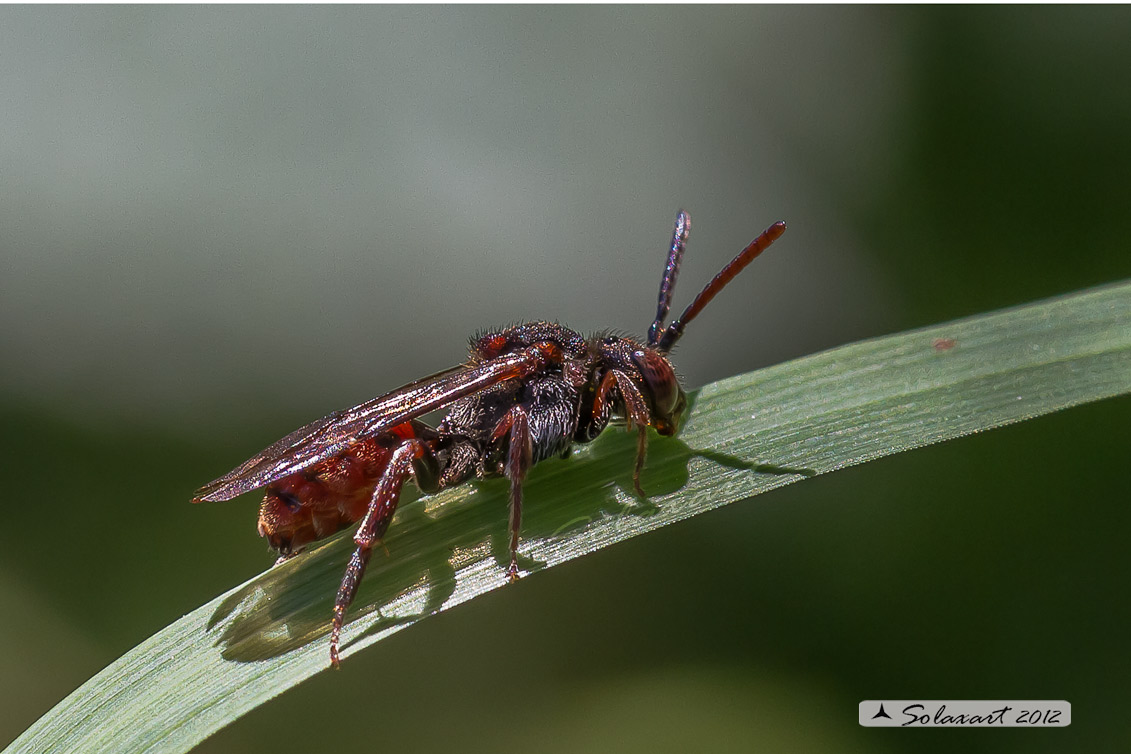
{"x": 334, "y": 433}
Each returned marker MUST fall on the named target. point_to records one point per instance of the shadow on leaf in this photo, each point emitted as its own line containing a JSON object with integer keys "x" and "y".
{"x": 456, "y": 539}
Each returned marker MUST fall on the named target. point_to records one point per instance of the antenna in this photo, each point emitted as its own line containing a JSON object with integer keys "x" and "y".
{"x": 665, "y": 342}
{"x": 671, "y": 272}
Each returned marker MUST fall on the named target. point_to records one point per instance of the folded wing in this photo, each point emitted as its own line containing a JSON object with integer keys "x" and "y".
{"x": 332, "y": 434}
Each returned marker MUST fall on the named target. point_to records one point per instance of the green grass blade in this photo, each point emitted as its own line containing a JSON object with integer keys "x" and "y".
{"x": 746, "y": 435}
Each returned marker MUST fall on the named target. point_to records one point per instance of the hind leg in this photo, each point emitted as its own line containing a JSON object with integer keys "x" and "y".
{"x": 410, "y": 458}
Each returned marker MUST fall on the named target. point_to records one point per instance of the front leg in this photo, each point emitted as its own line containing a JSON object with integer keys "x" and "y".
{"x": 636, "y": 410}
{"x": 519, "y": 455}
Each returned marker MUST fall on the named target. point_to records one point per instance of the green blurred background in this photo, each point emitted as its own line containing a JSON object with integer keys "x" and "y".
{"x": 219, "y": 223}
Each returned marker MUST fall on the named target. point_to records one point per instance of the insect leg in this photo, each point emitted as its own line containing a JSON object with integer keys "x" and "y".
{"x": 636, "y": 410}
{"x": 519, "y": 454}
{"x": 373, "y": 526}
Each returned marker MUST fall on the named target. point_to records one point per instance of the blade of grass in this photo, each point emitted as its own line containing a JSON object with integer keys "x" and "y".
{"x": 746, "y": 435}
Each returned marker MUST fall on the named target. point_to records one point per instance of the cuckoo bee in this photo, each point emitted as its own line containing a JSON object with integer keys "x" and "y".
{"x": 526, "y": 393}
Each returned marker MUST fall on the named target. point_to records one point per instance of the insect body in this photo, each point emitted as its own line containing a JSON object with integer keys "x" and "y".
{"x": 527, "y": 393}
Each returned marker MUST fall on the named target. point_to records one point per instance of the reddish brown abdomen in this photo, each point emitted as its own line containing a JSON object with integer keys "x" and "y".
{"x": 328, "y": 496}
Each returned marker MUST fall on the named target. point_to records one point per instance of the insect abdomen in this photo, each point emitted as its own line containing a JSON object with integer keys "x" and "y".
{"x": 328, "y": 496}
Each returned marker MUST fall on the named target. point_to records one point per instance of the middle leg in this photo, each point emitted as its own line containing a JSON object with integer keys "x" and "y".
{"x": 519, "y": 459}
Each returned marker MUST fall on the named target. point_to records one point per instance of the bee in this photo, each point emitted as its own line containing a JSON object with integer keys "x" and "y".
{"x": 526, "y": 393}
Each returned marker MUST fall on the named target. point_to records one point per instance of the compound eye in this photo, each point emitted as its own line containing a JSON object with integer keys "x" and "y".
{"x": 667, "y": 396}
